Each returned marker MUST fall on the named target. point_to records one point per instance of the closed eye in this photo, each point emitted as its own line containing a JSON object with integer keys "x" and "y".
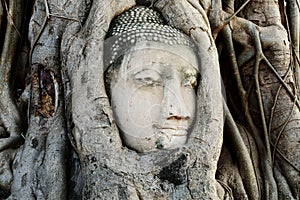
{"x": 148, "y": 78}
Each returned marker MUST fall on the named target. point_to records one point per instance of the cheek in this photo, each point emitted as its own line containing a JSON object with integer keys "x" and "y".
{"x": 136, "y": 108}
{"x": 145, "y": 106}
{"x": 119, "y": 102}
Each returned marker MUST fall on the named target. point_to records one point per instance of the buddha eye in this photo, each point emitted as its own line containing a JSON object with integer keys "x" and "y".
{"x": 148, "y": 78}
{"x": 190, "y": 82}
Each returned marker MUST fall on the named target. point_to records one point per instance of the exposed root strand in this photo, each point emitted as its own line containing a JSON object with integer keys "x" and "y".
{"x": 242, "y": 156}
{"x": 9, "y": 113}
{"x": 281, "y": 132}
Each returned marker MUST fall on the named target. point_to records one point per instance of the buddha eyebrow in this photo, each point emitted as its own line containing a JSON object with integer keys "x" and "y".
{"x": 147, "y": 68}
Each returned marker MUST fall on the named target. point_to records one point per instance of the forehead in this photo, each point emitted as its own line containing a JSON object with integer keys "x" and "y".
{"x": 159, "y": 54}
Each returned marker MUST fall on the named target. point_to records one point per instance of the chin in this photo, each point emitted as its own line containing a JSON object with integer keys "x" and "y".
{"x": 175, "y": 142}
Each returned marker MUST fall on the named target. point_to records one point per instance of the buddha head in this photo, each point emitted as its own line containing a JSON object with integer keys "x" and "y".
{"x": 151, "y": 79}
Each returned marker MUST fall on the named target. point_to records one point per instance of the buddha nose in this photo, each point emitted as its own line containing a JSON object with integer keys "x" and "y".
{"x": 174, "y": 107}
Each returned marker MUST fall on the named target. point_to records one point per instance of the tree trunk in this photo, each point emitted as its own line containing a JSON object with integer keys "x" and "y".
{"x": 53, "y": 96}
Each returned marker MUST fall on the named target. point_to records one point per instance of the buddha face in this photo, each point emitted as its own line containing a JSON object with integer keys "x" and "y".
{"x": 153, "y": 96}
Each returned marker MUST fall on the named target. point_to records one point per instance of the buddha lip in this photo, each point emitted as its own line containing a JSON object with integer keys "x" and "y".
{"x": 169, "y": 126}
{"x": 174, "y": 130}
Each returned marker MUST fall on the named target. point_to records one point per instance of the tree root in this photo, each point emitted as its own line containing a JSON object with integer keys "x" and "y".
{"x": 275, "y": 102}
{"x": 11, "y": 142}
{"x": 287, "y": 160}
{"x": 264, "y": 147}
{"x": 270, "y": 185}
{"x": 242, "y": 156}
{"x": 281, "y": 131}
{"x": 227, "y": 189}
{"x": 275, "y": 149}
{"x": 34, "y": 99}
{"x": 9, "y": 113}
{"x": 293, "y": 21}
{"x": 220, "y": 25}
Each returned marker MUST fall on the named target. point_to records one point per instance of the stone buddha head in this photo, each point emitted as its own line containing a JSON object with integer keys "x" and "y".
{"x": 151, "y": 79}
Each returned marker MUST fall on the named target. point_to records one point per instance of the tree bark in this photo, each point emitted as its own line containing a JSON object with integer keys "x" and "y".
{"x": 72, "y": 148}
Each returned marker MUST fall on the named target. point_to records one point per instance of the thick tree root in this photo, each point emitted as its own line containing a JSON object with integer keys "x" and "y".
{"x": 245, "y": 164}
{"x": 10, "y": 142}
{"x": 9, "y": 113}
{"x": 267, "y": 75}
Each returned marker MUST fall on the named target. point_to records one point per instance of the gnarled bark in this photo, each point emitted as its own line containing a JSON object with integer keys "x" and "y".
{"x": 70, "y": 121}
